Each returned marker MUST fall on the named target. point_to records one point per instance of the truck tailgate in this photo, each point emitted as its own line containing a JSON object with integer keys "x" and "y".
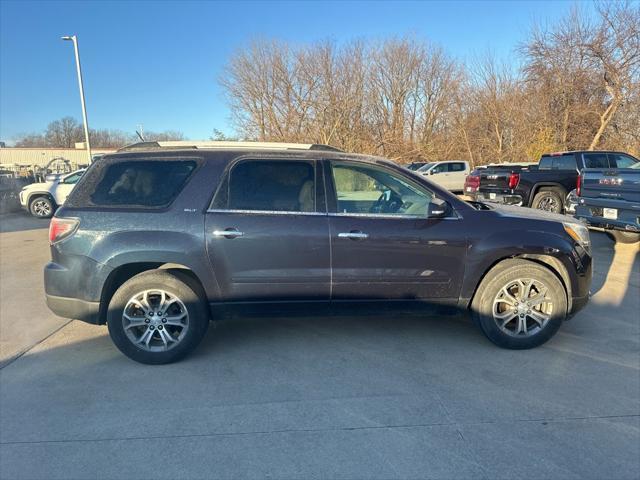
{"x": 612, "y": 184}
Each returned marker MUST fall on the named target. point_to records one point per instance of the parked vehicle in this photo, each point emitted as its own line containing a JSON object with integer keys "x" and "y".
{"x": 156, "y": 241}
{"x": 571, "y": 202}
{"x": 545, "y": 186}
{"x": 10, "y": 185}
{"x": 416, "y": 165}
{"x": 610, "y": 199}
{"x": 448, "y": 174}
{"x": 42, "y": 199}
{"x": 482, "y": 183}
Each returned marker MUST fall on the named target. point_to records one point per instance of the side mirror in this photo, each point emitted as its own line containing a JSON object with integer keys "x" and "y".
{"x": 438, "y": 209}
{"x": 432, "y": 172}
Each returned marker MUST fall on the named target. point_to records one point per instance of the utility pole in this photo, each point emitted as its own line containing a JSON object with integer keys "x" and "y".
{"x": 85, "y": 123}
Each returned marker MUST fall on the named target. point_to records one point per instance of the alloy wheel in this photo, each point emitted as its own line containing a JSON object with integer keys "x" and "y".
{"x": 42, "y": 208}
{"x": 522, "y": 307}
{"x": 548, "y": 204}
{"x": 155, "y": 320}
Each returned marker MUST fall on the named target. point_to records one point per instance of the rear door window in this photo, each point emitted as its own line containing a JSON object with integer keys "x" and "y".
{"x": 138, "y": 183}
{"x": 269, "y": 186}
{"x": 596, "y": 160}
{"x": 456, "y": 167}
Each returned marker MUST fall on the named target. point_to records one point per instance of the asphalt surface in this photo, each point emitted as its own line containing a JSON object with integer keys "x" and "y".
{"x": 320, "y": 397}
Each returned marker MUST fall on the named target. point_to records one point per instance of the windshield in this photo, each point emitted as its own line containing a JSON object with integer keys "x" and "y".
{"x": 426, "y": 167}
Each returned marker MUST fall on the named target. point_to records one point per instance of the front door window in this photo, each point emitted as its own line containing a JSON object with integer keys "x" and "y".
{"x": 364, "y": 189}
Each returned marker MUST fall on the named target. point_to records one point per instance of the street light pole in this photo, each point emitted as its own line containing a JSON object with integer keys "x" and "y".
{"x": 74, "y": 39}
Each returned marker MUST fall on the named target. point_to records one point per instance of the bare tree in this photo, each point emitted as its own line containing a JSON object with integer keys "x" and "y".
{"x": 67, "y": 131}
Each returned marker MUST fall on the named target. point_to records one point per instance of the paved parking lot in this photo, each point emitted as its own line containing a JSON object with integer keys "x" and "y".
{"x": 328, "y": 397}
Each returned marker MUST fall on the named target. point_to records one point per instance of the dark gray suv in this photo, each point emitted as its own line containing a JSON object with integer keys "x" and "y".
{"x": 157, "y": 239}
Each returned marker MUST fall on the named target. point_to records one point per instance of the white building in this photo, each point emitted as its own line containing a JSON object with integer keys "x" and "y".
{"x": 41, "y": 156}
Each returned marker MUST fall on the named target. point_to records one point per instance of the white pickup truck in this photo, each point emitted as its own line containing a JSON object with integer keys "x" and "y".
{"x": 449, "y": 174}
{"x": 42, "y": 199}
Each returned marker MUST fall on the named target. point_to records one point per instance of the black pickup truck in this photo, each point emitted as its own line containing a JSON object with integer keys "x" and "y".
{"x": 544, "y": 186}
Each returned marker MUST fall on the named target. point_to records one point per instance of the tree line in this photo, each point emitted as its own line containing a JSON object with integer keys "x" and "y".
{"x": 67, "y": 131}
{"x": 574, "y": 84}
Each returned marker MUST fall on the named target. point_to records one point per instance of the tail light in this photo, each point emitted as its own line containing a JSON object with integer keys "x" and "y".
{"x": 579, "y": 185}
{"x": 471, "y": 183}
{"x": 514, "y": 180}
{"x": 61, "y": 228}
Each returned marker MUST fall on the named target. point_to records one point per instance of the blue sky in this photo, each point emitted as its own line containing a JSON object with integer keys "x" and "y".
{"x": 157, "y": 62}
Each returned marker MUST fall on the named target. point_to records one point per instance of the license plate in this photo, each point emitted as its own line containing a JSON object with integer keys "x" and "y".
{"x": 492, "y": 196}
{"x": 469, "y": 189}
{"x": 610, "y": 213}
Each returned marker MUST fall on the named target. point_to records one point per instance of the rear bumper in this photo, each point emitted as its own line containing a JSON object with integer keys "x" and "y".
{"x": 628, "y": 219}
{"x": 506, "y": 199}
{"x": 74, "y": 308}
{"x": 73, "y": 290}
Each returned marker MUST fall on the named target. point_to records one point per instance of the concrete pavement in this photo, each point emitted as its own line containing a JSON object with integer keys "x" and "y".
{"x": 337, "y": 397}
{"x": 24, "y": 317}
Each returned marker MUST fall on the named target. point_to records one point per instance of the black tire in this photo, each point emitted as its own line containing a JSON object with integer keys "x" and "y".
{"x": 41, "y": 207}
{"x": 482, "y": 307}
{"x": 174, "y": 285}
{"x": 619, "y": 236}
{"x": 548, "y": 201}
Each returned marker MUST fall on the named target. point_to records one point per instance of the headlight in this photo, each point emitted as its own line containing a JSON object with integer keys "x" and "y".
{"x": 579, "y": 232}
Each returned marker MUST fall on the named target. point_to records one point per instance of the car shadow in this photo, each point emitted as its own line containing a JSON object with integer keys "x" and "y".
{"x": 611, "y": 259}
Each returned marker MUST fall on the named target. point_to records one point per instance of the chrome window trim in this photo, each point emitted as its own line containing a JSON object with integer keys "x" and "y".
{"x": 390, "y": 216}
{"x": 320, "y": 214}
{"x": 266, "y": 212}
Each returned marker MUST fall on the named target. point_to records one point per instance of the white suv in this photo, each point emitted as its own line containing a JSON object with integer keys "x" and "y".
{"x": 449, "y": 174}
{"x": 42, "y": 199}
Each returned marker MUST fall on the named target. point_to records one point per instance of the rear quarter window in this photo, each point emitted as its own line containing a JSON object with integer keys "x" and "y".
{"x": 558, "y": 162}
{"x": 133, "y": 183}
{"x": 545, "y": 163}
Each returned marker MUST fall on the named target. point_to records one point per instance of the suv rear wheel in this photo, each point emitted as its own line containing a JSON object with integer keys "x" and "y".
{"x": 156, "y": 317}
{"x": 549, "y": 201}
{"x": 41, "y": 207}
{"x": 519, "y": 304}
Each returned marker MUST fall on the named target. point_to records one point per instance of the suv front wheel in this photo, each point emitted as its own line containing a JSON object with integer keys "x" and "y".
{"x": 41, "y": 207}
{"x": 156, "y": 317}
{"x": 519, "y": 304}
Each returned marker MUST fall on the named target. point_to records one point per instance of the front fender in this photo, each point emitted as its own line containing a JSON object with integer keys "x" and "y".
{"x": 555, "y": 250}
{"x": 38, "y": 193}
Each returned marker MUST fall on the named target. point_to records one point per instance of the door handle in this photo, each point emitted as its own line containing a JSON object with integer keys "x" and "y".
{"x": 354, "y": 235}
{"x": 228, "y": 233}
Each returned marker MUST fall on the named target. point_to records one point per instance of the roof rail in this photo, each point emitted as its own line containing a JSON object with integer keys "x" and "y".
{"x": 228, "y": 145}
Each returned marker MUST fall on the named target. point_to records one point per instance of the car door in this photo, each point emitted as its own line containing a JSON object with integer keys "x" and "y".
{"x": 62, "y": 188}
{"x": 457, "y": 175}
{"x": 440, "y": 175}
{"x": 384, "y": 245}
{"x": 267, "y": 232}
